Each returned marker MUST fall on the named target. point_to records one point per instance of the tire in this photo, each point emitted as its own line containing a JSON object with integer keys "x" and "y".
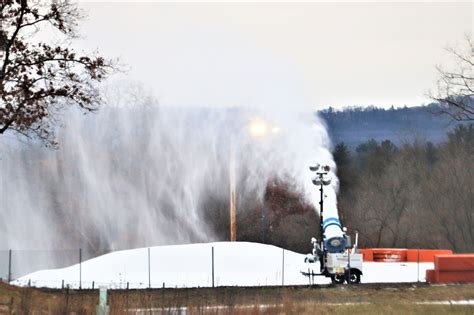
{"x": 354, "y": 276}
{"x": 337, "y": 279}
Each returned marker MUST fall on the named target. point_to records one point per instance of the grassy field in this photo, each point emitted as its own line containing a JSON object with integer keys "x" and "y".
{"x": 361, "y": 299}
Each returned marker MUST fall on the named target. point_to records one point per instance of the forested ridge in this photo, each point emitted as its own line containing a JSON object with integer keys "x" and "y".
{"x": 354, "y": 125}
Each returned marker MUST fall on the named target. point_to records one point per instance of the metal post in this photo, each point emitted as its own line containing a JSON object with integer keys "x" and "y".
{"x": 149, "y": 271}
{"x": 283, "y": 268}
{"x": 348, "y": 267}
{"x": 418, "y": 266}
{"x": 321, "y": 210}
{"x": 213, "y": 266}
{"x": 263, "y": 223}
{"x": 321, "y": 218}
{"x": 233, "y": 198}
{"x": 9, "y": 266}
{"x": 102, "y": 308}
{"x": 80, "y": 268}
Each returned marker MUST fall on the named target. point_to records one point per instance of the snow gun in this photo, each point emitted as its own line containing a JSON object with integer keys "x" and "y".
{"x": 333, "y": 252}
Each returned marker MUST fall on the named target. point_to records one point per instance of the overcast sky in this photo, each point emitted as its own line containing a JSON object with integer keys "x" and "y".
{"x": 313, "y": 54}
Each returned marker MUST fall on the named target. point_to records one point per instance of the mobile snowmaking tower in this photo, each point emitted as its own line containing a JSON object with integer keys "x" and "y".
{"x": 333, "y": 252}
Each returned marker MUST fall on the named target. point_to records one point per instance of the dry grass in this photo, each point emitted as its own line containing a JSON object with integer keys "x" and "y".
{"x": 362, "y": 299}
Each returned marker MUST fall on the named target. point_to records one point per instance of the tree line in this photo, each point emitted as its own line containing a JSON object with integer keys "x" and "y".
{"x": 416, "y": 195}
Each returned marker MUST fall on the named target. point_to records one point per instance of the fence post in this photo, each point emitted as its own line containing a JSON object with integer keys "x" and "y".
{"x": 348, "y": 267}
{"x": 283, "y": 269}
{"x": 9, "y": 265}
{"x": 263, "y": 223}
{"x": 149, "y": 271}
{"x": 80, "y": 268}
{"x": 213, "y": 266}
{"x": 418, "y": 266}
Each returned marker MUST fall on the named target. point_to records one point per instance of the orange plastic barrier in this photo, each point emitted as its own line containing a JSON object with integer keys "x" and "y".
{"x": 389, "y": 254}
{"x": 367, "y": 254}
{"x": 425, "y": 255}
{"x": 430, "y": 275}
{"x": 402, "y": 254}
{"x": 458, "y": 262}
{"x": 452, "y": 268}
{"x": 383, "y": 254}
{"x": 455, "y": 276}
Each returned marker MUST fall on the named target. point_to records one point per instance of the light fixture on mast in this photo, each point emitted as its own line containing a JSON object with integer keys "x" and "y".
{"x": 321, "y": 179}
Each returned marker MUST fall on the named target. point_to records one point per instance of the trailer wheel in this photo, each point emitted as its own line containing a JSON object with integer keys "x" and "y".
{"x": 354, "y": 276}
{"x": 337, "y": 279}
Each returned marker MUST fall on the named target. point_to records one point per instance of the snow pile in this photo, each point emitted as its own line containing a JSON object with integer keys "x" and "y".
{"x": 235, "y": 264}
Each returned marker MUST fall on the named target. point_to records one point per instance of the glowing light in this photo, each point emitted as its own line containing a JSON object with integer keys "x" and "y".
{"x": 258, "y": 128}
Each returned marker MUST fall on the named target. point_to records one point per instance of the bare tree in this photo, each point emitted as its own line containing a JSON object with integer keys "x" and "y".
{"x": 449, "y": 195}
{"x": 456, "y": 84}
{"x": 38, "y": 79}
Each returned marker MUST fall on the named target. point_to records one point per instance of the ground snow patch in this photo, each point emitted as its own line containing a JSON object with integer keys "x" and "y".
{"x": 235, "y": 264}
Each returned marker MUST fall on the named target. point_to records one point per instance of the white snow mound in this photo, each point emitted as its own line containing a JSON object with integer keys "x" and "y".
{"x": 235, "y": 264}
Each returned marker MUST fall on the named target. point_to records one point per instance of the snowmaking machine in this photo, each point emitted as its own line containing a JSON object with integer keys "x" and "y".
{"x": 334, "y": 254}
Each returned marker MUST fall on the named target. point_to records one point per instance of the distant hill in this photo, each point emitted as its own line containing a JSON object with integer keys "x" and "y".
{"x": 355, "y": 125}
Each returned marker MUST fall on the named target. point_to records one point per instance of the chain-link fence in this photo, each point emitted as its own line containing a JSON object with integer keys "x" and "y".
{"x": 15, "y": 264}
{"x": 198, "y": 265}
{"x": 140, "y": 268}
